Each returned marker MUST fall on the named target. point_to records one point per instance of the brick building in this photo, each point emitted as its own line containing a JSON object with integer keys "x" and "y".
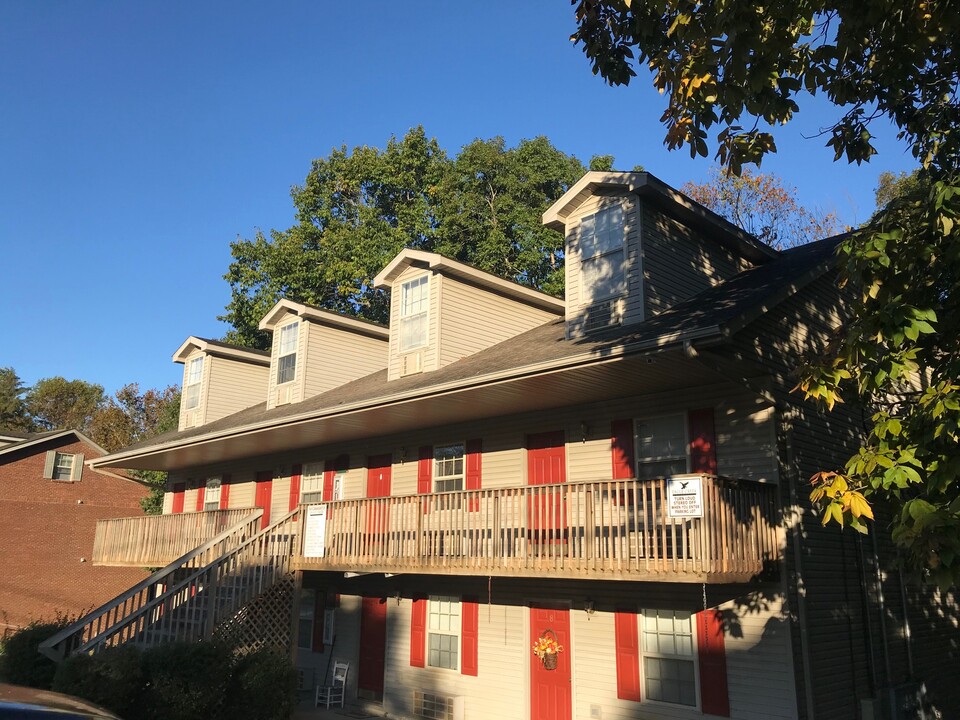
{"x": 50, "y": 503}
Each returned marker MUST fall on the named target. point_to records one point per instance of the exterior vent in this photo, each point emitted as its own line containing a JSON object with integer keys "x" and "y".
{"x": 437, "y": 707}
{"x": 411, "y": 363}
{"x": 603, "y": 315}
{"x": 284, "y": 394}
{"x": 190, "y": 419}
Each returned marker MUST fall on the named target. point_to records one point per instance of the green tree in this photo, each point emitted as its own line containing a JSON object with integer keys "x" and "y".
{"x": 763, "y": 206}
{"x": 56, "y": 403}
{"x": 13, "y": 408}
{"x": 740, "y": 69}
{"x": 894, "y": 185}
{"x": 358, "y": 208}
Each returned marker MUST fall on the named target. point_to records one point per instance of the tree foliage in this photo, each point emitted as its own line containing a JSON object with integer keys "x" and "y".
{"x": 358, "y": 208}
{"x": 740, "y": 68}
{"x": 763, "y": 206}
{"x": 56, "y": 403}
{"x": 13, "y": 407}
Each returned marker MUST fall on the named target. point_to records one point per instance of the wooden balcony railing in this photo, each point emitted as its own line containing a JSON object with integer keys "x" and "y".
{"x": 614, "y": 529}
{"x": 155, "y": 540}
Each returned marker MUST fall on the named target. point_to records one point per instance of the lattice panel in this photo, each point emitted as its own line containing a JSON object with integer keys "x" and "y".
{"x": 264, "y": 622}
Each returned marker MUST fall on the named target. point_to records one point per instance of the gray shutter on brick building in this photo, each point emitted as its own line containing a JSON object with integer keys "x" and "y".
{"x": 48, "y": 464}
{"x": 77, "y": 470}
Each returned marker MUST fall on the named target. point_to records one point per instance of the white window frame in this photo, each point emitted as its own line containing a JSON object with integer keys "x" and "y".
{"x": 642, "y": 460}
{"x": 311, "y": 482}
{"x": 306, "y": 617}
{"x": 422, "y": 314}
{"x": 63, "y": 471}
{"x": 442, "y": 465}
{"x": 211, "y": 493}
{"x": 438, "y": 622}
{"x": 192, "y": 379}
{"x": 693, "y": 658}
{"x": 284, "y": 353}
{"x": 596, "y": 254}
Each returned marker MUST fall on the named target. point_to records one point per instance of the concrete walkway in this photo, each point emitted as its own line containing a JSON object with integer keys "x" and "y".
{"x": 306, "y": 711}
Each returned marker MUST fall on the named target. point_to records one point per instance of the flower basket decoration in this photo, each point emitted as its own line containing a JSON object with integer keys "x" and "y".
{"x": 546, "y": 648}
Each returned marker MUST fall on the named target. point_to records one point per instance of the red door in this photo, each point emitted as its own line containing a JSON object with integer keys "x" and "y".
{"x": 551, "y": 695}
{"x": 378, "y": 485}
{"x": 264, "y": 495}
{"x": 373, "y": 644}
{"x": 546, "y": 465}
{"x": 179, "y": 489}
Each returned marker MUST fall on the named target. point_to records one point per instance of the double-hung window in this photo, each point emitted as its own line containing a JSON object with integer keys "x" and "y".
{"x": 191, "y": 385}
{"x": 443, "y": 632}
{"x": 63, "y": 466}
{"x": 211, "y": 494}
{"x": 602, "y": 255}
{"x": 311, "y": 483}
{"x": 414, "y": 302}
{"x": 661, "y": 447}
{"x": 287, "y": 354}
{"x": 669, "y": 657}
{"x": 448, "y": 468}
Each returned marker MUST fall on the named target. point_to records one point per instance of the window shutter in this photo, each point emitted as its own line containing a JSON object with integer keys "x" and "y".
{"x": 425, "y": 472}
{"x": 319, "y": 605}
{"x": 469, "y": 637}
{"x": 201, "y": 491}
{"x": 628, "y": 655}
{"x": 178, "y": 491}
{"x": 224, "y": 492}
{"x": 76, "y": 472}
{"x": 329, "y": 470}
{"x": 296, "y": 472}
{"x": 714, "y": 699}
{"x": 48, "y": 464}
{"x": 622, "y": 449}
{"x": 418, "y": 632}
{"x": 703, "y": 441}
{"x": 474, "y": 470}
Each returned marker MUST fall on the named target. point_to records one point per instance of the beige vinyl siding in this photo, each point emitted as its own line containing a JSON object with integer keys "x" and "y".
{"x": 199, "y": 413}
{"x": 472, "y": 318}
{"x": 334, "y": 356}
{"x": 576, "y": 302}
{"x": 232, "y": 385}
{"x": 679, "y": 262}
{"x": 431, "y": 355}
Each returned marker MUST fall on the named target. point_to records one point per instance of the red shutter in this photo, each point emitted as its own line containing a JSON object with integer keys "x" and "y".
{"x": 318, "y": 607}
{"x": 425, "y": 472}
{"x": 200, "y": 492}
{"x": 418, "y": 632}
{"x": 703, "y": 441}
{"x": 469, "y": 637}
{"x": 474, "y": 462}
{"x": 622, "y": 449}
{"x": 224, "y": 492}
{"x": 296, "y": 472}
{"x": 179, "y": 489}
{"x": 628, "y": 655}
{"x": 714, "y": 699}
{"x": 329, "y": 470}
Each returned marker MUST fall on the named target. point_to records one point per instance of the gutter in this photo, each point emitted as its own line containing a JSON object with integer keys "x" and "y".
{"x": 660, "y": 344}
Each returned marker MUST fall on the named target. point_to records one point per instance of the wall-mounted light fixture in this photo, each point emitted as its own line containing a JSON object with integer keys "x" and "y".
{"x": 583, "y": 432}
{"x": 403, "y": 455}
{"x": 588, "y": 606}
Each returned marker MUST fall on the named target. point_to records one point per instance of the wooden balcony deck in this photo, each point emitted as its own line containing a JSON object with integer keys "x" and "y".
{"x": 617, "y": 530}
{"x": 156, "y": 540}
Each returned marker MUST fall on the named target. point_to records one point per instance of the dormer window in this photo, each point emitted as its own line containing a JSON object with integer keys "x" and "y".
{"x": 414, "y": 301}
{"x": 287, "y": 355}
{"x": 601, "y": 254}
{"x": 191, "y": 386}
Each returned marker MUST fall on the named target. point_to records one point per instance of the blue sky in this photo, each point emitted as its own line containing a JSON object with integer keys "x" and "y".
{"x": 137, "y": 140}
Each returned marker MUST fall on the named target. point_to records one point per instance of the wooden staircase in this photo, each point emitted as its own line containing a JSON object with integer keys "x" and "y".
{"x": 199, "y": 596}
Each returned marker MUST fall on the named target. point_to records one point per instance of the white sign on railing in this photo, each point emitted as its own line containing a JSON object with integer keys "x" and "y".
{"x": 314, "y": 531}
{"x": 685, "y": 497}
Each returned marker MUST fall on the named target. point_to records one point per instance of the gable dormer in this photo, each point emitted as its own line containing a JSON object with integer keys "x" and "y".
{"x": 316, "y": 350}
{"x": 442, "y": 310}
{"x": 635, "y": 247}
{"x": 218, "y": 379}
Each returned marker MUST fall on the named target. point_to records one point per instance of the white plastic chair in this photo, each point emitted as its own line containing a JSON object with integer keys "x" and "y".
{"x": 332, "y": 694}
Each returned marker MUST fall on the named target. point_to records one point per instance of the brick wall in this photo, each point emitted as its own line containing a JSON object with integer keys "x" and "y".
{"x": 46, "y": 536}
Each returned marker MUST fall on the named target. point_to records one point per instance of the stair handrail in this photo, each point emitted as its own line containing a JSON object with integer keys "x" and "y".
{"x": 49, "y": 646}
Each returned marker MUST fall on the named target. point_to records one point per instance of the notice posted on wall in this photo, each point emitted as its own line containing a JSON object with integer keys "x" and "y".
{"x": 685, "y": 497}
{"x": 315, "y": 531}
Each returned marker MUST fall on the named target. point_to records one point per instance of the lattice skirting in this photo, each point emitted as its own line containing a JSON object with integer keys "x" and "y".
{"x": 264, "y": 622}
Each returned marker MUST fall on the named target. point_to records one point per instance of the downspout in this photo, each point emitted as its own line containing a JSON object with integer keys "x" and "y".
{"x": 906, "y": 623}
{"x": 883, "y": 611}
{"x": 785, "y": 430}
